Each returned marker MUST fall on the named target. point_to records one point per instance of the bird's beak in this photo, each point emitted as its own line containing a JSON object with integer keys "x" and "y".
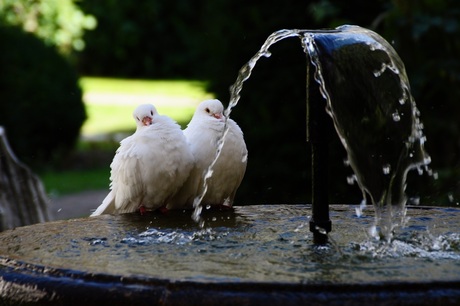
{"x": 146, "y": 121}
{"x": 218, "y": 115}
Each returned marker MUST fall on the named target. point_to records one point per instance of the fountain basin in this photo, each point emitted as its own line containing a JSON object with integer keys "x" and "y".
{"x": 255, "y": 254}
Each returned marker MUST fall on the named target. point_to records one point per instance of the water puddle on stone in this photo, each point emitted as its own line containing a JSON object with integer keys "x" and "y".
{"x": 263, "y": 243}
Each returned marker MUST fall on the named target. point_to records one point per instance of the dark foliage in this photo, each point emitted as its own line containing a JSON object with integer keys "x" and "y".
{"x": 213, "y": 39}
{"x": 41, "y": 108}
{"x": 426, "y": 35}
{"x": 149, "y": 39}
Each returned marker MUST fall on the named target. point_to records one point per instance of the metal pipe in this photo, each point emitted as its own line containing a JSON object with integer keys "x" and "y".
{"x": 317, "y": 136}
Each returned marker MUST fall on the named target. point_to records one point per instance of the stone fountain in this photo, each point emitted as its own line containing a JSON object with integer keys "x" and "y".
{"x": 264, "y": 254}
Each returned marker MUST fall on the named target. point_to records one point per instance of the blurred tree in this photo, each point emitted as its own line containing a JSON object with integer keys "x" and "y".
{"x": 58, "y": 22}
{"x": 42, "y": 108}
{"x": 150, "y": 39}
{"x": 41, "y": 103}
{"x": 213, "y": 39}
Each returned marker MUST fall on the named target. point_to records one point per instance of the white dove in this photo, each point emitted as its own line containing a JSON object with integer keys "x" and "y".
{"x": 149, "y": 167}
{"x": 203, "y": 133}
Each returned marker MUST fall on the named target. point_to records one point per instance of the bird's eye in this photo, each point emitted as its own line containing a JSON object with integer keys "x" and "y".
{"x": 151, "y": 112}
{"x": 207, "y": 110}
{"x": 138, "y": 119}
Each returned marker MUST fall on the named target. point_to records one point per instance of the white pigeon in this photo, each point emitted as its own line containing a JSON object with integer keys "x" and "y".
{"x": 149, "y": 167}
{"x": 203, "y": 133}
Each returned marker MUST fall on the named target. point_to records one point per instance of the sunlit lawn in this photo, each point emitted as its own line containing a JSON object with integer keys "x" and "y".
{"x": 109, "y": 105}
{"x": 58, "y": 183}
{"x": 110, "y": 102}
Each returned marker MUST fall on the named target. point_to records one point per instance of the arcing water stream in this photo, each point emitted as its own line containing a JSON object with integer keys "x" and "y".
{"x": 368, "y": 97}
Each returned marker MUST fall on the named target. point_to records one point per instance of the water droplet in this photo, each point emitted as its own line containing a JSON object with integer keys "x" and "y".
{"x": 396, "y": 117}
{"x": 378, "y": 73}
{"x": 298, "y": 228}
{"x": 98, "y": 241}
{"x": 419, "y": 170}
{"x": 414, "y": 200}
{"x": 351, "y": 179}
{"x": 358, "y": 212}
{"x": 208, "y": 206}
{"x": 373, "y": 232}
{"x": 427, "y": 160}
{"x": 321, "y": 230}
{"x": 386, "y": 169}
{"x": 208, "y": 174}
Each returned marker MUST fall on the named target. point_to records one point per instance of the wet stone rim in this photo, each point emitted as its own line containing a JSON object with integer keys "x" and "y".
{"x": 36, "y": 283}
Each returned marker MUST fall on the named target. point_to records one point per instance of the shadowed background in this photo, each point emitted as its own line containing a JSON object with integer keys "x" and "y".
{"x": 48, "y": 47}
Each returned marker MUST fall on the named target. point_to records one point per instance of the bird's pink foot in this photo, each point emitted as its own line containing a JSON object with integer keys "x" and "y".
{"x": 163, "y": 210}
{"x": 223, "y": 207}
{"x": 142, "y": 210}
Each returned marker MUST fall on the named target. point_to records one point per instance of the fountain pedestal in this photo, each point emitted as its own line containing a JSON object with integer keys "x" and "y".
{"x": 254, "y": 255}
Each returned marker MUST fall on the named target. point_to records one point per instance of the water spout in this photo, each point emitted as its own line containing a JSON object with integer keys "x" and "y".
{"x": 367, "y": 94}
{"x": 368, "y": 98}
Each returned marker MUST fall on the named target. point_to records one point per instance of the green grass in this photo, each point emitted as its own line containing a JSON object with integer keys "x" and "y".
{"x": 174, "y": 98}
{"x": 110, "y": 102}
{"x": 171, "y": 88}
{"x": 71, "y": 181}
{"x": 105, "y": 118}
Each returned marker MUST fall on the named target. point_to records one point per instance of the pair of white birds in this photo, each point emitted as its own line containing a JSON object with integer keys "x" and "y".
{"x": 162, "y": 167}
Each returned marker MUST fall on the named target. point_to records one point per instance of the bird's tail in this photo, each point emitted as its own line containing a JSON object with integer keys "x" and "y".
{"x": 107, "y": 206}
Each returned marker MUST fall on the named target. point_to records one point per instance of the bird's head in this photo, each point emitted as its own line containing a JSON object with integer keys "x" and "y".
{"x": 144, "y": 114}
{"x": 211, "y": 109}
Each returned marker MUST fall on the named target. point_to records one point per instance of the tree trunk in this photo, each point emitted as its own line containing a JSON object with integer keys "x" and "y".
{"x": 23, "y": 199}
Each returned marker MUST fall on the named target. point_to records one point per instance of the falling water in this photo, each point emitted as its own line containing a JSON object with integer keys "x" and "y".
{"x": 368, "y": 97}
{"x": 243, "y": 74}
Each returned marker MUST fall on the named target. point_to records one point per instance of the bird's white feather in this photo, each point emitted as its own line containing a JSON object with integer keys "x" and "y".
{"x": 203, "y": 133}
{"x": 148, "y": 168}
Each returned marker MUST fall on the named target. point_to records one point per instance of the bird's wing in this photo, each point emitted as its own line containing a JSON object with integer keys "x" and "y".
{"x": 203, "y": 142}
{"x": 229, "y": 169}
{"x": 187, "y": 192}
{"x": 239, "y": 154}
{"x": 126, "y": 175}
{"x": 175, "y": 162}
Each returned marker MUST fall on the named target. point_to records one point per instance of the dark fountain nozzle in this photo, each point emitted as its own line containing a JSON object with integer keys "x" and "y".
{"x": 318, "y": 137}
{"x": 365, "y": 90}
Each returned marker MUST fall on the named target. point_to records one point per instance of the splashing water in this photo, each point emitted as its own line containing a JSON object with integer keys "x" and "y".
{"x": 255, "y": 243}
{"x": 368, "y": 97}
